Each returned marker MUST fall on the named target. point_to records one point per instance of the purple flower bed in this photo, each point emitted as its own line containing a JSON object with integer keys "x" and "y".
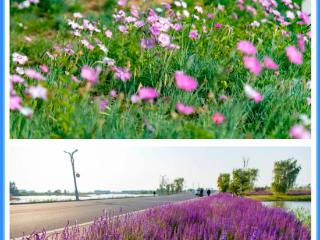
{"x": 221, "y": 216}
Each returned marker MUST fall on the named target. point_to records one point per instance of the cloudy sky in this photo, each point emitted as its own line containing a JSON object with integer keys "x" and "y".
{"x": 43, "y": 165}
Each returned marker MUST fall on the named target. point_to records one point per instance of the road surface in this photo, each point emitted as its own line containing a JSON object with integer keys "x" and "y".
{"x": 25, "y": 218}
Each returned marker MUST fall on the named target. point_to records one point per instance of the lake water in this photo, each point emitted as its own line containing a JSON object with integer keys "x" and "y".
{"x": 29, "y": 199}
{"x": 290, "y": 205}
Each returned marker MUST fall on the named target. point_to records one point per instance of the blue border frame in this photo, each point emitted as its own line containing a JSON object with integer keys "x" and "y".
{"x": 317, "y": 120}
{"x": 2, "y": 119}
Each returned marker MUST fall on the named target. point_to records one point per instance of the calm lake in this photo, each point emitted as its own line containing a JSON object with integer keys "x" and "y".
{"x": 290, "y": 205}
{"x": 28, "y": 199}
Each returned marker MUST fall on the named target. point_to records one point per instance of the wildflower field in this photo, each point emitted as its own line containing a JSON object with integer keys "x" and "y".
{"x": 219, "y": 217}
{"x": 159, "y": 69}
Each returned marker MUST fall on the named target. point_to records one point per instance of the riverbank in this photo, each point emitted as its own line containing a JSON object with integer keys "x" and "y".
{"x": 280, "y": 197}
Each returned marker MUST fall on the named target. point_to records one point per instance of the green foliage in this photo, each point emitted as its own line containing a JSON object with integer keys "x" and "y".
{"x": 224, "y": 182}
{"x": 243, "y": 180}
{"x": 285, "y": 173}
{"x": 14, "y": 191}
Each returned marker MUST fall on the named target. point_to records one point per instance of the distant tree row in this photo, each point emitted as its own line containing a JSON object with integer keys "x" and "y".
{"x": 242, "y": 180}
{"x": 167, "y": 187}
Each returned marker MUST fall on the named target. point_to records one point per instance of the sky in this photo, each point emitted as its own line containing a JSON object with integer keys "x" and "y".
{"x": 43, "y": 165}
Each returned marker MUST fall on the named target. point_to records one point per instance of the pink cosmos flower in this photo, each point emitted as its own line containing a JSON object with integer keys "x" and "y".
{"x": 90, "y": 74}
{"x": 185, "y": 82}
{"x": 15, "y": 103}
{"x": 184, "y": 109}
{"x": 108, "y": 33}
{"x": 294, "y": 55}
{"x": 223, "y": 98}
{"x": 122, "y": 73}
{"x": 147, "y": 93}
{"x": 269, "y": 63}
{"x": 300, "y": 42}
{"x": 123, "y": 29}
{"x": 113, "y": 93}
{"x": 210, "y": 15}
{"x": 252, "y": 64}
{"x": 38, "y": 92}
{"x": 217, "y": 25}
{"x": 103, "y": 104}
{"x": 16, "y": 78}
{"x": 177, "y": 27}
{"x": 252, "y": 94}
{"x": 193, "y": 34}
{"x": 122, "y": 3}
{"x": 75, "y": 79}
{"x": 21, "y": 59}
{"x": 299, "y": 132}
{"x": 164, "y": 40}
{"x": 44, "y": 68}
{"x": 135, "y": 98}
{"x": 34, "y": 74}
{"x": 139, "y": 24}
{"x": 218, "y": 118}
{"x": 246, "y": 47}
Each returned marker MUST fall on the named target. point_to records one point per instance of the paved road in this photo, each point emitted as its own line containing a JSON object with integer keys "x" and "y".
{"x": 26, "y": 218}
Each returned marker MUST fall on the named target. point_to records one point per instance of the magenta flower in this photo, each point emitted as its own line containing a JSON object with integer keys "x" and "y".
{"x": 147, "y": 43}
{"x": 103, "y": 104}
{"x": 44, "y": 68}
{"x": 294, "y": 55}
{"x": 34, "y": 74}
{"x": 147, "y": 93}
{"x": 15, "y": 103}
{"x": 193, "y": 34}
{"x": 90, "y": 74}
{"x": 217, "y": 25}
{"x": 300, "y": 42}
{"x": 38, "y": 92}
{"x": 252, "y": 64}
{"x": 299, "y": 132}
{"x": 218, "y": 118}
{"x": 185, "y": 82}
{"x": 252, "y": 94}
{"x": 122, "y": 73}
{"x": 184, "y": 109}
{"x": 246, "y": 47}
{"x": 269, "y": 63}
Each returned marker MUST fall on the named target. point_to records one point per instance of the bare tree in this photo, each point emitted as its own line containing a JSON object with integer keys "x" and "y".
{"x": 74, "y": 173}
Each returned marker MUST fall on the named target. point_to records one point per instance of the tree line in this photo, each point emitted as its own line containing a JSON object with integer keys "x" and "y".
{"x": 242, "y": 180}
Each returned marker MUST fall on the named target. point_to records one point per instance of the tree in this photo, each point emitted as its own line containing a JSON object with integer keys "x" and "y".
{"x": 243, "y": 180}
{"x": 14, "y": 191}
{"x": 178, "y": 184}
{"x": 163, "y": 184}
{"x": 285, "y": 173}
{"x": 224, "y": 182}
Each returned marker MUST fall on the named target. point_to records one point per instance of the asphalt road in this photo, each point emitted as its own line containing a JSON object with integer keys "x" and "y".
{"x": 25, "y": 218}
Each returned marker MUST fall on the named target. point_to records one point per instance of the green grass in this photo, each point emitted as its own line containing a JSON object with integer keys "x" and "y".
{"x": 281, "y": 197}
{"x": 70, "y": 111}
